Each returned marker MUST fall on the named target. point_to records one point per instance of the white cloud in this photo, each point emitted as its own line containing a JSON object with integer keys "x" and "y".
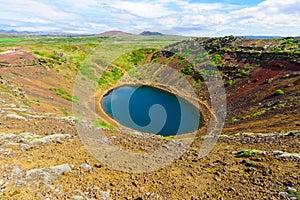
{"x": 143, "y": 9}
{"x": 204, "y": 19}
{"x": 271, "y": 13}
{"x": 201, "y": 7}
{"x": 31, "y": 8}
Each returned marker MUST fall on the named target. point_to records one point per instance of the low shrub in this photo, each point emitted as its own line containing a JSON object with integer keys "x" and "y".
{"x": 279, "y": 92}
{"x": 248, "y": 153}
{"x": 229, "y": 83}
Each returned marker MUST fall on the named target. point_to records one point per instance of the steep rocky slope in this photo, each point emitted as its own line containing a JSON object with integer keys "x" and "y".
{"x": 253, "y": 71}
{"x": 256, "y": 157}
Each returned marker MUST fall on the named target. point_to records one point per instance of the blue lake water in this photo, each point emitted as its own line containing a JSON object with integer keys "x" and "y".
{"x": 151, "y": 110}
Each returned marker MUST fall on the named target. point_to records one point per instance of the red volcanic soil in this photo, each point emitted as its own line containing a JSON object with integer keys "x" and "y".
{"x": 256, "y": 93}
{"x": 16, "y": 57}
{"x": 271, "y": 71}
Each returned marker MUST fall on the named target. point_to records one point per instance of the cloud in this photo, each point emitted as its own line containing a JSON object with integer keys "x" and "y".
{"x": 199, "y": 18}
{"x": 143, "y": 9}
{"x": 31, "y": 8}
{"x": 271, "y": 14}
{"x": 201, "y": 7}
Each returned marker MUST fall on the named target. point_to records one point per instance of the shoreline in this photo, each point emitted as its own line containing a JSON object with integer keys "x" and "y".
{"x": 204, "y": 110}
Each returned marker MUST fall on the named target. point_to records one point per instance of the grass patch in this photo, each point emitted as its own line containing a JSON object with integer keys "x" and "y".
{"x": 11, "y": 39}
{"x": 281, "y": 105}
{"x": 229, "y": 83}
{"x": 249, "y": 68}
{"x": 126, "y": 62}
{"x": 4, "y": 87}
{"x": 201, "y": 57}
{"x": 293, "y": 192}
{"x": 133, "y": 58}
{"x": 248, "y": 153}
{"x": 234, "y": 119}
{"x": 288, "y": 41}
{"x": 216, "y": 58}
{"x": 65, "y": 111}
{"x": 242, "y": 74}
{"x": 261, "y": 112}
{"x": 110, "y": 77}
{"x": 277, "y": 50}
{"x": 168, "y": 138}
{"x": 16, "y": 73}
{"x": 252, "y": 164}
{"x": 279, "y": 92}
{"x": 66, "y": 95}
{"x": 103, "y": 124}
{"x": 187, "y": 70}
{"x": 207, "y": 73}
{"x": 186, "y": 53}
{"x": 88, "y": 72}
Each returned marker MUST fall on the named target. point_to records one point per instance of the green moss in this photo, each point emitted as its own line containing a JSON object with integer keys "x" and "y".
{"x": 229, "y": 83}
{"x": 207, "y": 73}
{"x": 16, "y": 73}
{"x": 11, "y": 39}
{"x": 181, "y": 62}
{"x": 110, "y": 77}
{"x": 234, "y": 119}
{"x": 277, "y": 50}
{"x": 252, "y": 164}
{"x": 201, "y": 57}
{"x": 102, "y": 124}
{"x": 211, "y": 64}
{"x": 187, "y": 70}
{"x": 261, "y": 112}
{"x": 293, "y": 192}
{"x": 117, "y": 73}
{"x": 77, "y": 121}
{"x": 216, "y": 58}
{"x": 4, "y": 87}
{"x": 187, "y": 53}
{"x": 289, "y": 41}
{"x": 133, "y": 58}
{"x": 248, "y": 153}
{"x": 239, "y": 75}
{"x": 244, "y": 73}
{"x": 66, "y": 95}
{"x": 168, "y": 138}
{"x": 281, "y": 105}
{"x": 223, "y": 51}
{"x": 249, "y": 68}
{"x": 279, "y": 92}
{"x": 65, "y": 111}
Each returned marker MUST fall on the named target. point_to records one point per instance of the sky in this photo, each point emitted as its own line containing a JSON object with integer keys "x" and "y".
{"x": 190, "y": 18}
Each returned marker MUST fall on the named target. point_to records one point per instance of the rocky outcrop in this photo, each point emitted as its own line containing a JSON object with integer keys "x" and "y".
{"x": 259, "y": 57}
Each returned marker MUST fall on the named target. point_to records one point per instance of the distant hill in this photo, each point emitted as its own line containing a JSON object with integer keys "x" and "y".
{"x": 149, "y": 33}
{"x": 40, "y": 33}
{"x": 113, "y": 33}
{"x": 15, "y": 32}
{"x": 105, "y": 34}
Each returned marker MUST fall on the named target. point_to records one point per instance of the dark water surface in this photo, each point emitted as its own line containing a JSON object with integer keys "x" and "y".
{"x": 151, "y": 110}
